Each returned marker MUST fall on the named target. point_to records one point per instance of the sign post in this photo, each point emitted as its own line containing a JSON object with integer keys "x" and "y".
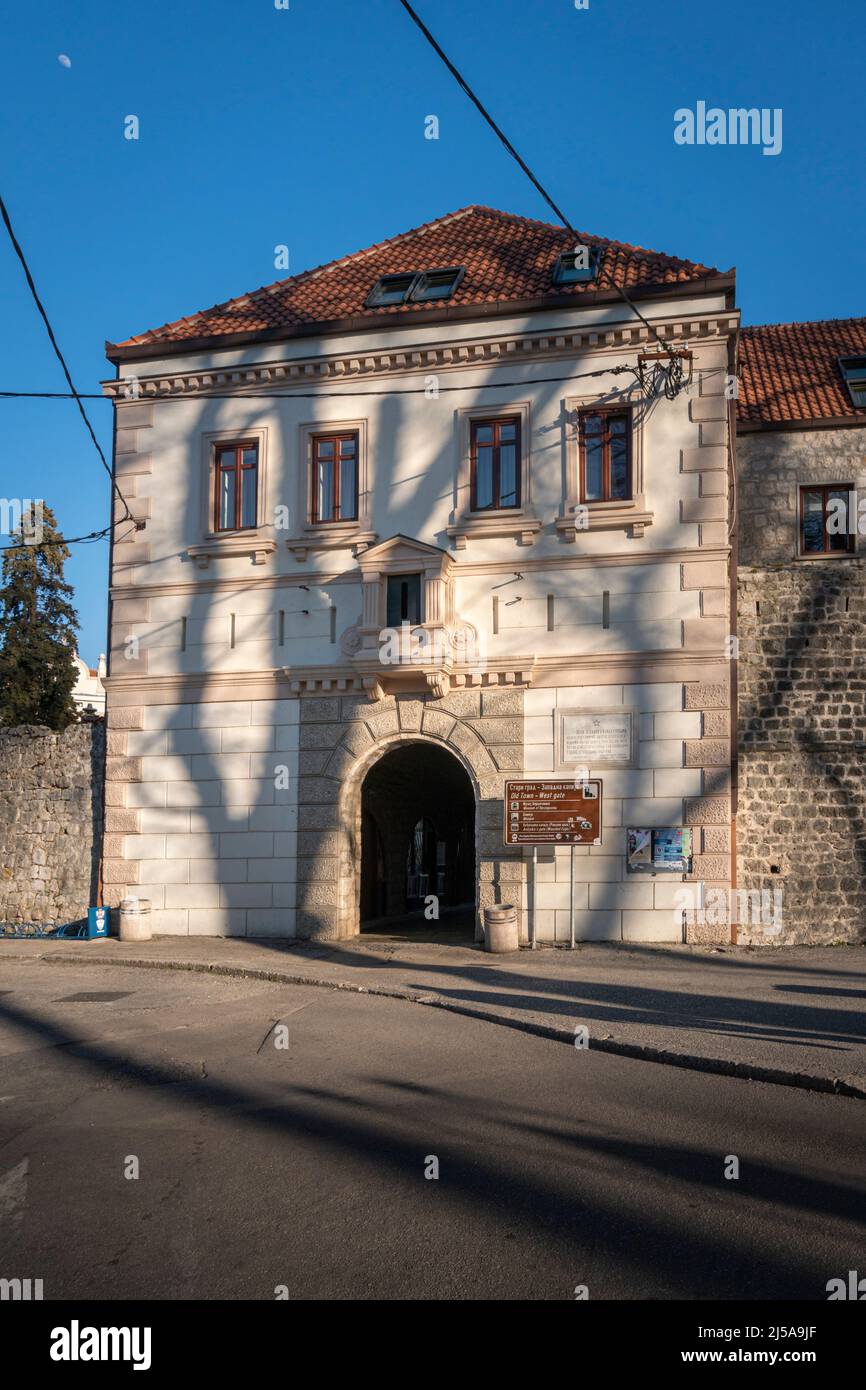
{"x": 571, "y": 902}
{"x": 552, "y": 812}
{"x": 532, "y": 941}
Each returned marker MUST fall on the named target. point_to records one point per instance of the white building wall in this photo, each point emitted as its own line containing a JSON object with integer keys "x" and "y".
{"x": 217, "y": 816}
{"x": 198, "y": 714}
{"x": 610, "y": 904}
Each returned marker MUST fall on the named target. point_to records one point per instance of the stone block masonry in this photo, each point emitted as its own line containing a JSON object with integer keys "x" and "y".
{"x": 801, "y": 824}
{"x": 202, "y": 815}
{"x": 50, "y": 823}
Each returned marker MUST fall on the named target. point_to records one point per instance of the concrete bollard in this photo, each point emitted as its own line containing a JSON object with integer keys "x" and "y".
{"x": 135, "y": 919}
{"x": 500, "y": 929}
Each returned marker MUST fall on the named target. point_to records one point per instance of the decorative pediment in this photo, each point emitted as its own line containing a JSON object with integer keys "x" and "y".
{"x": 399, "y": 553}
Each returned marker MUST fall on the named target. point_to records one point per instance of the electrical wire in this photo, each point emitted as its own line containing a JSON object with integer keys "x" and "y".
{"x": 485, "y": 113}
{"x": 289, "y": 394}
{"x": 89, "y": 539}
{"x": 16, "y": 245}
{"x": 526, "y": 169}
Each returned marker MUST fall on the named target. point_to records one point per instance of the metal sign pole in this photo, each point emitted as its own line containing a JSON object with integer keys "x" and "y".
{"x": 554, "y": 812}
{"x": 571, "y": 899}
{"x": 532, "y": 916}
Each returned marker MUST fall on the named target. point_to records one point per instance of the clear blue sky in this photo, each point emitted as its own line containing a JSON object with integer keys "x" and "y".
{"x": 305, "y": 127}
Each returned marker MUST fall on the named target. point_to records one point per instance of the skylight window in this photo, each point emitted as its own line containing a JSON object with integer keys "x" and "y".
{"x": 576, "y": 266}
{"x": 391, "y": 289}
{"x": 854, "y": 371}
{"x": 415, "y": 286}
{"x": 437, "y": 284}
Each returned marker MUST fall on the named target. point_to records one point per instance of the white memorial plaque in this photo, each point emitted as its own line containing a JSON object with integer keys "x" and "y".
{"x": 595, "y": 738}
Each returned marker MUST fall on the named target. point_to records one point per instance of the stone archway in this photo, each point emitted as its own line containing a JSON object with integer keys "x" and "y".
{"x": 417, "y": 849}
{"x": 404, "y": 757}
{"x": 341, "y": 737}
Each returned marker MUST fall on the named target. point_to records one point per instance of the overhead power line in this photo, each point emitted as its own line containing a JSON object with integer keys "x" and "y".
{"x": 289, "y": 394}
{"x": 500, "y": 134}
{"x": 61, "y": 359}
{"x": 89, "y": 539}
{"x": 522, "y": 163}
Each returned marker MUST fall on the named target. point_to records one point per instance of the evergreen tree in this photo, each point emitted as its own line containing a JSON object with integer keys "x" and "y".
{"x": 37, "y": 628}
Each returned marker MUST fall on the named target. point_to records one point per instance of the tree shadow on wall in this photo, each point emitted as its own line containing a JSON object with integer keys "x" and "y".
{"x": 782, "y": 713}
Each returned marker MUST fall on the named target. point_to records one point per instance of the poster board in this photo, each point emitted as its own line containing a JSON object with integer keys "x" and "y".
{"x": 661, "y": 850}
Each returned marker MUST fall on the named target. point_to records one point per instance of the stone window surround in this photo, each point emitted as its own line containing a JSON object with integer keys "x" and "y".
{"x": 355, "y": 535}
{"x": 519, "y": 522}
{"x": 254, "y": 541}
{"x": 632, "y": 514}
{"x": 435, "y": 567}
{"x": 403, "y": 555}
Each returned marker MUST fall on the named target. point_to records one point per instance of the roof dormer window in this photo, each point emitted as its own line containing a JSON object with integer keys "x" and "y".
{"x": 854, "y": 371}
{"x": 576, "y": 266}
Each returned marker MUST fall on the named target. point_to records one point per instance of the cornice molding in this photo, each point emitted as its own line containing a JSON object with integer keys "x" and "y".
{"x": 323, "y": 680}
{"x": 287, "y": 681}
{"x": 423, "y": 357}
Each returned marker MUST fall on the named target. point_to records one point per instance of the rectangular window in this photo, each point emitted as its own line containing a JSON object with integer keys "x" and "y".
{"x": 577, "y": 266}
{"x": 495, "y": 464}
{"x": 824, "y": 519}
{"x": 404, "y": 599}
{"x": 236, "y": 486}
{"x": 391, "y": 289}
{"x": 605, "y": 456}
{"x": 334, "y": 482}
{"x": 436, "y": 284}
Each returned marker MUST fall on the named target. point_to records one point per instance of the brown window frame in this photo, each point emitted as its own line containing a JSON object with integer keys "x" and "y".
{"x": 825, "y": 489}
{"x": 495, "y": 422}
{"x": 335, "y": 438}
{"x": 239, "y": 468}
{"x": 609, "y": 412}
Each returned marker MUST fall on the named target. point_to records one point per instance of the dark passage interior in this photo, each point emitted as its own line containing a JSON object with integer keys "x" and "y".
{"x": 417, "y": 842}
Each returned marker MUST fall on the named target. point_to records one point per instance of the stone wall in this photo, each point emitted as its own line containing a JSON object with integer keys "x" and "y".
{"x": 50, "y": 822}
{"x": 772, "y": 465}
{"x": 801, "y": 824}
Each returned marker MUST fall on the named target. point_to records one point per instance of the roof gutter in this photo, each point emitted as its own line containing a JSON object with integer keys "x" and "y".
{"x": 817, "y": 422}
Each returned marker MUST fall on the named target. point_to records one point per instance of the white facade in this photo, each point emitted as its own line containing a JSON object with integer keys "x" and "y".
{"x": 223, "y": 667}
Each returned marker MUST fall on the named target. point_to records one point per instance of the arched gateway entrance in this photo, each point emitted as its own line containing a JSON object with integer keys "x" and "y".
{"x": 417, "y": 841}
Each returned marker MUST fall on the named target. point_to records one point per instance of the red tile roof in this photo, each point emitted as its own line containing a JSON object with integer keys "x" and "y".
{"x": 506, "y": 258}
{"x": 790, "y": 371}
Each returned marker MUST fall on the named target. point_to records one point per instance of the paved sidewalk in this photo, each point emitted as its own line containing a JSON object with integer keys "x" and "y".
{"x": 793, "y": 1015}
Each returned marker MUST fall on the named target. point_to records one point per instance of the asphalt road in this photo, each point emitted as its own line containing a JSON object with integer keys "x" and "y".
{"x": 303, "y": 1166}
